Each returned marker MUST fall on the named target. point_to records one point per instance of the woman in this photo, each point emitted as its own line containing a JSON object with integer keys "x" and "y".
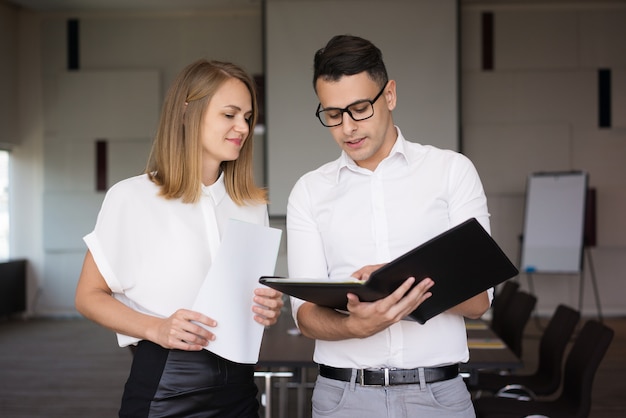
{"x": 153, "y": 242}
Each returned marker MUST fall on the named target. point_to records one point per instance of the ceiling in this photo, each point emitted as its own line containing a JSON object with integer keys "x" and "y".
{"x": 197, "y": 5}
{"x": 128, "y": 5}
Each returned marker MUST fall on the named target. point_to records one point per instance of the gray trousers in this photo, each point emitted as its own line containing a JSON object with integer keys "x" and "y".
{"x": 333, "y": 398}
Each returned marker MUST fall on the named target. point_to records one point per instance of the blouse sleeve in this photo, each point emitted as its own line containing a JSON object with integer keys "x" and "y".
{"x": 113, "y": 237}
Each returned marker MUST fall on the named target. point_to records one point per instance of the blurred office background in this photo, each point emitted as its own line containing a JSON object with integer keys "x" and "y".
{"x": 518, "y": 86}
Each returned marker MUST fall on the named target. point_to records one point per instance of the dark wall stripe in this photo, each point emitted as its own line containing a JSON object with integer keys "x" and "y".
{"x": 487, "y": 40}
{"x": 73, "y": 62}
{"x": 101, "y": 165}
{"x": 604, "y": 98}
{"x": 259, "y": 80}
{"x": 589, "y": 236}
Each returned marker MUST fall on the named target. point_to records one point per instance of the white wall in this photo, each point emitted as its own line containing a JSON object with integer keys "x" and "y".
{"x": 538, "y": 111}
{"x": 27, "y": 170}
{"x": 70, "y": 198}
{"x": 125, "y": 60}
{"x": 420, "y": 55}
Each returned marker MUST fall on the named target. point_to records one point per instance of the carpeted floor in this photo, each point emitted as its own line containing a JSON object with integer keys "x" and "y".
{"x": 73, "y": 368}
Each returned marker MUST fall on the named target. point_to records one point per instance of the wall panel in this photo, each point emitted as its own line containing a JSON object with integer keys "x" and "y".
{"x": 419, "y": 43}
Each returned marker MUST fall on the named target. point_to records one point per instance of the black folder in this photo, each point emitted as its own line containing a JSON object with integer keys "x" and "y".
{"x": 462, "y": 261}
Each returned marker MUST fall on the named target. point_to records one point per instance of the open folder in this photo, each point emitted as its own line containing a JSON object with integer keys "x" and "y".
{"x": 462, "y": 261}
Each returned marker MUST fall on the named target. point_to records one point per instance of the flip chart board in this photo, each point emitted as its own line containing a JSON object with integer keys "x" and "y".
{"x": 554, "y": 222}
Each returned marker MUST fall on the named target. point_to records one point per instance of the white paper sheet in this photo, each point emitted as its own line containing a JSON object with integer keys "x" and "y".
{"x": 247, "y": 252}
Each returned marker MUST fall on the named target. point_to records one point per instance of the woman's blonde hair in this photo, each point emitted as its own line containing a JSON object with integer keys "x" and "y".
{"x": 175, "y": 162}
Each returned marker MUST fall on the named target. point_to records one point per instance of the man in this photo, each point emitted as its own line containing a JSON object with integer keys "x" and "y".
{"x": 381, "y": 198}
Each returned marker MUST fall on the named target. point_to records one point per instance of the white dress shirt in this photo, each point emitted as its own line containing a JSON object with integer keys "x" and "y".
{"x": 154, "y": 253}
{"x": 342, "y": 217}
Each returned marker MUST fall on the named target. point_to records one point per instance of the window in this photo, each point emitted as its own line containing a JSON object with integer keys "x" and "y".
{"x": 4, "y": 204}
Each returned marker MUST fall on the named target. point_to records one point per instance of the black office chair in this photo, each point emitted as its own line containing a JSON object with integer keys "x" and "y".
{"x": 514, "y": 320}
{"x": 546, "y": 378}
{"x": 579, "y": 371}
{"x": 500, "y": 302}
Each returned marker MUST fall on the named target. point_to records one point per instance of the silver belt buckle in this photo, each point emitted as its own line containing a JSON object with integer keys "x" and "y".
{"x": 385, "y": 381}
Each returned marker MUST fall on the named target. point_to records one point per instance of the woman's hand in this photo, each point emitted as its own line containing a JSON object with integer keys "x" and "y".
{"x": 268, "y": 304}
{"x": 182, "y": 331}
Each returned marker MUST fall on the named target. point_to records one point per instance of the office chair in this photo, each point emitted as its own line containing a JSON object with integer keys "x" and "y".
{"x": 546, "y": 378}
{"x": 579, "y": 371}
{"x": 500, "y": 303}
{"x": 514, "y": 320}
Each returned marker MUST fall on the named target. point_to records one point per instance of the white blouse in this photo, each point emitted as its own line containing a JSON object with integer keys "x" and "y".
{"x": 154, "y": 253}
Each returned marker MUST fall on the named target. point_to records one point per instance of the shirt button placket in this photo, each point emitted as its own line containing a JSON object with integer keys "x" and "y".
{"x": 379, "y": 219}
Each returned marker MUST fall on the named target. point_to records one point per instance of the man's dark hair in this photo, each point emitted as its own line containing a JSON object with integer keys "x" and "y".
{"x": 349, "y": 55}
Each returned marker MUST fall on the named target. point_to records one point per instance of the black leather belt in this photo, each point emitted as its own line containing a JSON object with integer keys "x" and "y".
{"x": 391, "y": 377}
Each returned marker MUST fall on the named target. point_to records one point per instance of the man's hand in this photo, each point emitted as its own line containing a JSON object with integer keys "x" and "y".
{"x": 365, "y": 272}
{"x": 369, "y": 318}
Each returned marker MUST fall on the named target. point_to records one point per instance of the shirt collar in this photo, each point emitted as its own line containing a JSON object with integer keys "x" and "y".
{"x": 215, "y": 191}
{"x": 398, "y": 149}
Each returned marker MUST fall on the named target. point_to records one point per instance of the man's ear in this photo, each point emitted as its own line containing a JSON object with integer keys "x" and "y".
{"x": 390, "y": 94}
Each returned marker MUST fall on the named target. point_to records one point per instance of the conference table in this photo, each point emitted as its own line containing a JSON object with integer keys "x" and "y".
{"x": 283, "y": 348}
{"x": 487, "y": 351}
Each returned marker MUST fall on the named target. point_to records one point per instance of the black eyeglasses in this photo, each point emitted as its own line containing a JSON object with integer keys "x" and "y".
{"x": 361, "y": 110}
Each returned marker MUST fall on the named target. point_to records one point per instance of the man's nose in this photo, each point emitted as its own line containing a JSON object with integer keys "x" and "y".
{"x": 348, "y": 124}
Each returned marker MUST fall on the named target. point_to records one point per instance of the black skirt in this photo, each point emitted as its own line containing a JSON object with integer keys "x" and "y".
{"x": 190, "y": 384}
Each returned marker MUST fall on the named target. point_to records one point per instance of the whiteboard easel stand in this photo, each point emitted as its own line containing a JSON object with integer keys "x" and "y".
{"x": 581, "y": 286}
{"x": 560, "y": 210}
{"x": 593, "y": 282}
{"x": 531, "y": 289}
